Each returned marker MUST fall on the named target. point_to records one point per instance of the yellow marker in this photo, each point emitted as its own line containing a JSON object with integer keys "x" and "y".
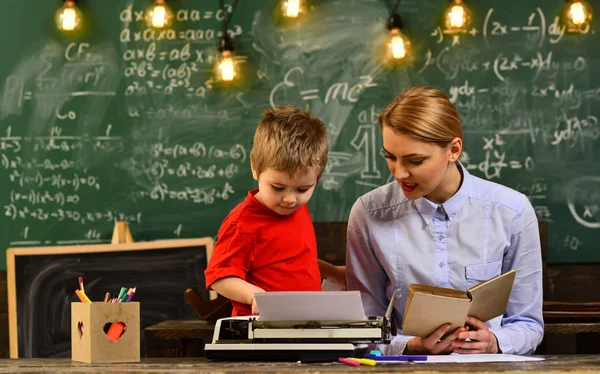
{"x": 85, "y": 297}
{"x": 364, "y": 361}
{"x": 82, "y": 297}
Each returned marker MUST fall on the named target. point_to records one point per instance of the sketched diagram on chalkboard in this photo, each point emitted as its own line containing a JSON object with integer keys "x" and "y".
{"x": 42, "y": 280}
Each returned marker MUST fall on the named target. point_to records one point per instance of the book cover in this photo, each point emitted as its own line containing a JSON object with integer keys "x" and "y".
{"x": 429, "y": 307}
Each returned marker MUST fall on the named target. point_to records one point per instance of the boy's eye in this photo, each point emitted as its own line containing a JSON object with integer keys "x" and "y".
{"x": 278, "y": 188}
{"x": 302, "y": 190}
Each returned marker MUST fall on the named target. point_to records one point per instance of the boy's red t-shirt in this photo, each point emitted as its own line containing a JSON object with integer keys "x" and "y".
{"x": 268, "y": 250}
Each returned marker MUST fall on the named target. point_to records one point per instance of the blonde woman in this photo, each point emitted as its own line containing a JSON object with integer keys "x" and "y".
{"x": 436, "y": 224}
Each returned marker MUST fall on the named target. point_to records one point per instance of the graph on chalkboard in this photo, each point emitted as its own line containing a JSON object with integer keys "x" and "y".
{"x": 129, "y": 123}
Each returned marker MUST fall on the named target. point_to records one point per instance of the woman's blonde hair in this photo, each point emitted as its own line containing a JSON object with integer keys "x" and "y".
{"x": 424, "y": 113}
{"x": 288, "y": 139}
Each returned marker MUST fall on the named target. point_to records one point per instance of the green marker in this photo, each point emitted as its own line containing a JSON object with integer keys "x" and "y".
{"x": 121, "y": 293}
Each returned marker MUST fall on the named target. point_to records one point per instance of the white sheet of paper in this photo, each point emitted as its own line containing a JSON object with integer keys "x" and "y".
{"x": 328, "y": 285}
{"x": 310, "y": 306}
{"x": 458, "y": 358}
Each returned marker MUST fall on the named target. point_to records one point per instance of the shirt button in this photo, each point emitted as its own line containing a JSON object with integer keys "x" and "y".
{"x": 441, "y": 264}
{"x": 441, "y": 237}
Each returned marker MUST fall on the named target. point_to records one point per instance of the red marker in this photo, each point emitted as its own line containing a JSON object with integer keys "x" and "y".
{"x": 349, "y": 361}
{"x": 115, "y": 331}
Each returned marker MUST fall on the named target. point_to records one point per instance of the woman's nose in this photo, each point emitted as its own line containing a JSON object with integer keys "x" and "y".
{"x": 400, "y": 172}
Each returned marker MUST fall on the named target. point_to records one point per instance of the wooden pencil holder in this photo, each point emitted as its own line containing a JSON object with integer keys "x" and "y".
{"x": 92, "y": 339}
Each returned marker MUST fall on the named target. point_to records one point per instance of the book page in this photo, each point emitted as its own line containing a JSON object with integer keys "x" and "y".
{"x": 328, "y": 285}
{"x": 427, "y": 312}
{"x": 490, "y": 298}
{"x": 447, "y": 292}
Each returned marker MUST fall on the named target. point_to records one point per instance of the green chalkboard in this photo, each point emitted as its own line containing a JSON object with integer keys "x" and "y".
{"x": 125, "y": 123}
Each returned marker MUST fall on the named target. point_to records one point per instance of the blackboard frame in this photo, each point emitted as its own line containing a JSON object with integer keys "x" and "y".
{"x": 13, "y": 253}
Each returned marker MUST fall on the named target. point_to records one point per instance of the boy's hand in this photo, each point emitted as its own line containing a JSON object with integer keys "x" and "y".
{"x": 255, "y": 310}
{"x": 481, "y": 339}
{"x": 254, "y": 307}
{"x": 239, "y": 290}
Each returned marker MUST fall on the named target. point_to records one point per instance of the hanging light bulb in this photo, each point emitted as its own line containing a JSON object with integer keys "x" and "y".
{"x": 159, "y": 15}
{"x": 226, "y": 64}
{"x": 69, "y": 17}
{"x": 226, "y": 67}
{"x": 458, "y": 17}
{"x": 579, "y": 15}
{"x": 398, "y": 45}
{"x": 292, "y": 8}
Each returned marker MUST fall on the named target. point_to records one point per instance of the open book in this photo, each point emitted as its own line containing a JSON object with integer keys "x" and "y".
{"x": 428, "y": 307}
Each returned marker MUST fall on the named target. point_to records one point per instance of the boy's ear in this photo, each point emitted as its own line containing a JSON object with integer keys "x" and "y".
{"x": 254, "y": 173}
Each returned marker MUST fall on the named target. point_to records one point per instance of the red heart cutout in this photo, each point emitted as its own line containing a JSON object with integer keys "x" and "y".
{"x": 114, "y": 331}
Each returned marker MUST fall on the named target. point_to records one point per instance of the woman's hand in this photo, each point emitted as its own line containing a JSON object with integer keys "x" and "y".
{"x": 335, "y": 274}
{"x": 481, "y": 339}
{"x": 437, "y": 343}
{"x": 338, "y": 275}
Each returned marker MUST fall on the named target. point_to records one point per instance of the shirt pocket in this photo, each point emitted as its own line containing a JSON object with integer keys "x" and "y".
{"x": 477, "y": 273}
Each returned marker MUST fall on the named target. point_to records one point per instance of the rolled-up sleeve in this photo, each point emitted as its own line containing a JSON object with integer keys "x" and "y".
{"x": 232, "y": 256}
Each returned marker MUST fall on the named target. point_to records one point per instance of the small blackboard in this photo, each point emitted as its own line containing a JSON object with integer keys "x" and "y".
{"x": 42, "y": 283}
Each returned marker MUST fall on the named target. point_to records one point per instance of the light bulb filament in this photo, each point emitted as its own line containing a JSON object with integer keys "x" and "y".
{"x": 292, "y": 8}
{"x": 69, "y": 19}
{"x": 577, "y": 13}
{"x": 397, "y": 45}
{"x": 226, "y": 67}
{"x": 159, "y": 16}
{"x": 457, "y": 16}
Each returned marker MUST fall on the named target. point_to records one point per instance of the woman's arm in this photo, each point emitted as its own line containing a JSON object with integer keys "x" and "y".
{"x": 333, "y": 273}
{"x": 522, "y": 325}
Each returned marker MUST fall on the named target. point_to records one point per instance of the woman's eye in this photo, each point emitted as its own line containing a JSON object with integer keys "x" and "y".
{"x": 391, "y": 157}
{"x": 416, "y": 162}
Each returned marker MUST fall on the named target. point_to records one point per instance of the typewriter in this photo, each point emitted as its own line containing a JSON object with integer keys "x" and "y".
{"x": 248, "y": 338}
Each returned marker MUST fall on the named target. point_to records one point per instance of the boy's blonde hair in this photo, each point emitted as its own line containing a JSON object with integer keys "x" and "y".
{"x": 288, "y": 139}
{"x": 424, "y": 113}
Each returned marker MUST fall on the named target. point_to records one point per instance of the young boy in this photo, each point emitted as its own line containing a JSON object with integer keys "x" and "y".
{"x": 267, "y": 242}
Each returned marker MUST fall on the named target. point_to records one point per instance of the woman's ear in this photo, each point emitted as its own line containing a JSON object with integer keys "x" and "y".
{"x": 455, "y": 150}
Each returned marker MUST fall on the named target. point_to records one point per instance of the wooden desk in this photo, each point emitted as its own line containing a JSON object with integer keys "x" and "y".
{"x": 187, "y": 338}
{"x": 177, "y": 338}
{"x": 553, "y": 365}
